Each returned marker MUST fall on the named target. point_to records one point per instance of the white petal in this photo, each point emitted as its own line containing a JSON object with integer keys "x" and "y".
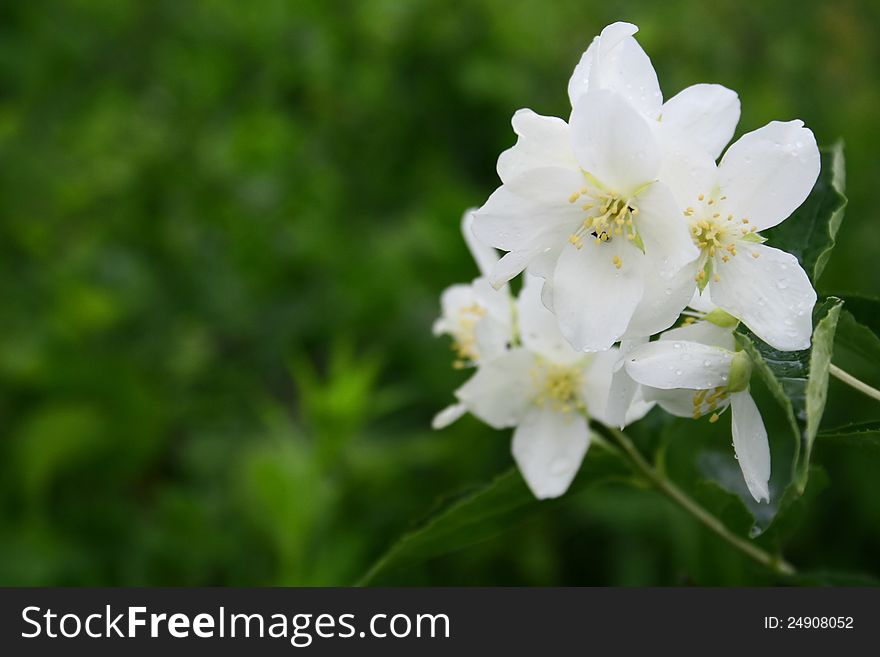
{"x": 614, "y": 142}
{"x": 623, "y": 387}
{"x": 750, "y": 443}
{"x": 497, "y": 302}
{"x": 617, "y": 62}
{"x": 501, "y": 389}
{"x": 539, "y": 328}
{"x": 678, "y": 401}
{"x": 448, "y": 415}
{"x": 702, "y": 301}
{"x": 543, "y": 141}
{"x": 687, "y": 169}
{"x": 598, "y": 374}
{"x": 664, "y": 230}
{"x": 768, "y": 173}
{"x": 706, "y": 113}
{"x": 548, "y": 447}
{"x": 493, "y": 338}
{"x": 703, "y": 332}
{"x": 771, "y": 294}
{"x": 545, "y": 262}
{"x": 594, "y": 300}
{"x": 678, "y": 364}
{"x": 485, "y": 256}
{"x": 453, "y": 300}
{"x": 513, "y": 263}
{"x": 662, "y": 303}
{"x": 639, "y": 408}
{"x": 521, "y": 214}
{"x": 547, "y": 295}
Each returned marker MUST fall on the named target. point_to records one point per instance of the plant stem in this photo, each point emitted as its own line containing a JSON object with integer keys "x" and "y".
{"x": 673, "y": 492}
{"x": 853, "y": 382}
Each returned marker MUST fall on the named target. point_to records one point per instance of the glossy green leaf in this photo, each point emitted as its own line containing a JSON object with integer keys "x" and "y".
{"x": 487, "y": 512}
{"x": 859, "y": 329}
{"x": 861, "y": 434}
{"x": 810, "y": 232}
{"x": 798, "y": 380}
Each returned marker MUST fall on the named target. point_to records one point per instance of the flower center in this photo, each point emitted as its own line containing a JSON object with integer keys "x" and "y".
{"x": 559, "y": 387}
{"x": 608, "y": 215}
{"x": 464, "y": 338}
{"x": 716, "y": 234}
{"x": 707, "y": 402}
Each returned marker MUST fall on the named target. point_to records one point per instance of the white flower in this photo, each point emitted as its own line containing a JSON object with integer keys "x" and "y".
{"x": 547, "y": 391}
{"x": 693, "y": 371}
{"x": 478, "y": 317}
{"x": 581, "y": 206}
{"x": 761, "y": 180}
{"x": 703, "y": 114}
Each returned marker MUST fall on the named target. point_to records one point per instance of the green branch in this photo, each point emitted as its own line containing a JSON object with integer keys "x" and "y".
{"x": 673, "y": 492}
{"x": 853, "y": 382}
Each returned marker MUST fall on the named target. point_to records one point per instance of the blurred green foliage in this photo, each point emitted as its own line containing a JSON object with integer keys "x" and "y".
{"x": 225, "y": 227}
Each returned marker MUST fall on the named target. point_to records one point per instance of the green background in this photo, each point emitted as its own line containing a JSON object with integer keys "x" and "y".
{"x": 225, "y": 229}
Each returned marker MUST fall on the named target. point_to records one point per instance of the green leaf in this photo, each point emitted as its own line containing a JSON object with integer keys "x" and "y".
{"x": 858, "y": 331}
{"x": 862, "y": 434}
{"x": 487, "y": 512}
{"x": 791, "y": 510}
{"x": 810, "y": 232}
{"x": 798, "y": 380}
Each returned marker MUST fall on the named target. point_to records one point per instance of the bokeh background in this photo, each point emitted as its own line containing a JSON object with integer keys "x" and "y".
{"x": 224, "y": 227}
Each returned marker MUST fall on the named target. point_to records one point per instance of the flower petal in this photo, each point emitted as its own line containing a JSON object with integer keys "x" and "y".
{"x": 448, "y": 415}
{"x": 677, "y": 401}
{"x": 598, "y": 374}
{"x": 679, "y": 364}
{"x": 548, "y": 446}
{"x": 771, "y": 294}
{"x": 543, "y": 141}
{"x": 539, "y": 328}
{"x": 662, "y": 303}
{"x": 512, "y": 264}
{"x": 706, "y": 113}
{"x": 592, "y": 298}
{"x": 623, "y": 388}
{"x": 453, "y": 300}
{"x": 530, "y": 217}
{"x": 768, "y": 173}
{"x": 501, "y": 390}
{"x": 639, "y": 408}
{"x": 702, "y": 301}
{"x": 664, "y": 231}
{"x": 703, "y": 332}
{"x": 493, "y": 338}
{"x": 750, "y": 443}
{"x": 615, "y": 61}
{"x": 687, "y": 169}
{"x": 485, "y": 256}
{"x": 614, "y": 142}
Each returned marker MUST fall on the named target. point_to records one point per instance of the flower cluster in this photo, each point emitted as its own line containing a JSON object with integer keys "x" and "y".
{"x": 621, "y": 219}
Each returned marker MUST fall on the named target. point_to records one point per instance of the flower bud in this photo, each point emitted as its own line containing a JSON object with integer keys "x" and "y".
{"x": 721, "y": 318}
{"x": 740, "y": 372}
